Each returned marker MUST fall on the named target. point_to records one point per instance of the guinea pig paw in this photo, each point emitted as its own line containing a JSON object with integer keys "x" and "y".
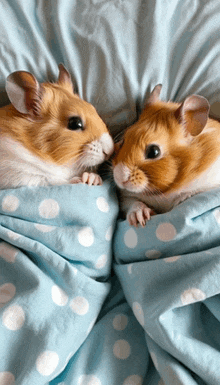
{"x": 75, "y": 180}
{"x": 91, "y": 179}
{"x": 139, "y": 214}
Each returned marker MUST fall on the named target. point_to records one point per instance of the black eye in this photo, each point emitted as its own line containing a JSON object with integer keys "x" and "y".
{"x": 152, "y": 151}
{"x": 75, "y": 123}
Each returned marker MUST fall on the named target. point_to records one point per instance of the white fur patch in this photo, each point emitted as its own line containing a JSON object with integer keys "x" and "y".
{"x": 97, "y": 151}
{"x": 121, "y": 174}
{"x": 18, "y": 167}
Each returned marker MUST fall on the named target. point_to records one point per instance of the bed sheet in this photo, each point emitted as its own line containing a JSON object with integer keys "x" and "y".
{"x": 157, "y": 317}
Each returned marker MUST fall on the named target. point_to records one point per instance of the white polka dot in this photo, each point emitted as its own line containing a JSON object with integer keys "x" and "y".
{"x": 79, "y": 305}
{"x": 216, "y": 214}
{"x": 130, "y": 238}
{"x": 120, "y": 322}
{"x": 154, "y": 359}
{"x": 166, "y": 232}
{"x": 122, "y": 349}
{"x": 101, "y": 261}
{"x": 7, "y": 292}
{"x": 89, "y": 380}
{"x": 47, "y": 362}
{"x": 192, "y": 295}
{"x": 153, "y": 254}
{"x": 13, "y": 317}
{"x": 49, "y": 208}
{"x": 10, "y": 203}
{"x": 138, "y": 312}
{"x": 14, "y": 236}
{"x": 59, "y": 297}
{"x": 130, "y": 266}
{"x": 172, "y": 259}
{"x": 109, "y": 234}
{"x": 74, "y": 270}
{"x": 86, "y": 236}
{"x": 133, "y": 380}
{"x": 7, "y": 378}
{"x": 8, "y": 252}
{"x": 102, "y": 204}
{"x": 44, "y": 228}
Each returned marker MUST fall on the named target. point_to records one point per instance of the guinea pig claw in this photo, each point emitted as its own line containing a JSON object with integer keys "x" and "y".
{"x": 139, "y": 214}
{"x": 91, "y": 179}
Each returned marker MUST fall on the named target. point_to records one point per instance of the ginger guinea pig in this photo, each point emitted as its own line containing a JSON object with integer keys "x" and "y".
{"x": 48, "y": 135}
{"x": 171, "y": 153}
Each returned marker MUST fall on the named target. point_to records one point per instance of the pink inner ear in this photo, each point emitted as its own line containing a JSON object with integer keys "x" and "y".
{"x": 193, "y": 114}
{"x": 23, "y": 91}
{"x": 64, "y": 76}
{"x": 155, "y": 94}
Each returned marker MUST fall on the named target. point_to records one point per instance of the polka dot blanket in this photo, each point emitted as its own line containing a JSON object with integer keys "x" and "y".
{"x": 66, "y": 320}
{"x": 55, "y": 261}
{"x": 170, "y": 274}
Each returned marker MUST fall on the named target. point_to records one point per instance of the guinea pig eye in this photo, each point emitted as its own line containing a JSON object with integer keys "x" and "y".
{"x": 75, "y": 123}
{"x": 152, "y": 151}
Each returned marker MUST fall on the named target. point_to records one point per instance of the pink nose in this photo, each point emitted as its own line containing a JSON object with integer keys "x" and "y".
{"x": 126, "y": 180}
{"x": 121, "y": 174}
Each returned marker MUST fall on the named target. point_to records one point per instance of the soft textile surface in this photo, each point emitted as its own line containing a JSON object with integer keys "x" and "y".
{"x": 54, "y": 260}
{"x": 170, "y": 274}
{"x": 116, "y": 52}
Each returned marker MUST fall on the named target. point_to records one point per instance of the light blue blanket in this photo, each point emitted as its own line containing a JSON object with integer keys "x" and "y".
{"x": 63, "y": 320}
{"x": 170, "y": 274}
{"x": 55, "y": 259}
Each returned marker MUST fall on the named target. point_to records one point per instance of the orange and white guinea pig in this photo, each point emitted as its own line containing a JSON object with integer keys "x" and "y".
{"x": 171, "y": 153}
{"x": 48, "y": 135}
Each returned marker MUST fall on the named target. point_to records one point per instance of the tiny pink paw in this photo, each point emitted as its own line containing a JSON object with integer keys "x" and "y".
{"x": 91, "y": 179}
{"x": 139, "y": 214}
{"x": 75, "y": 180}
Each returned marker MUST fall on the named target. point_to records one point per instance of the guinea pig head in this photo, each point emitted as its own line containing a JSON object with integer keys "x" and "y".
{"x": 159, "y": 153}
{"x": 54, "y": 123}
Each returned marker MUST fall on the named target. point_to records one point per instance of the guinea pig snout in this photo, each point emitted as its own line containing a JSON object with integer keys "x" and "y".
{"x": 121, "y": 175}
{"x": 130, "y": 179}
{"x": 99, "y": 150}
{"x": 107, "y": 144}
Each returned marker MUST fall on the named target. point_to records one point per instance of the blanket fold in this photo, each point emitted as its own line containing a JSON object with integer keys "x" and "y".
{"x": 170, "y": 274}
{"x": 55, "y": 261}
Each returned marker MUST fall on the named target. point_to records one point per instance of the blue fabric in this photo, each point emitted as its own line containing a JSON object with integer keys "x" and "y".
{"x": 116, "y": 50}
{"x": 170, "y": 275}
{"x": 157, "y": 319}
{"x": 55, "y": 260}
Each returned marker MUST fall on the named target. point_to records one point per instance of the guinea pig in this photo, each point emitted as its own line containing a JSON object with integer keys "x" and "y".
{"x": 49, "y": 135}
{"x": 171, "y": 153}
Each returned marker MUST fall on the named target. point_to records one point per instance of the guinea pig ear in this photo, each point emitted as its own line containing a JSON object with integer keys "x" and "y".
{"x": 155, "y": 94}
{"x": 64, "y": 78}
{"x": 193, "y": 114}
{"x": 23, "y": 91}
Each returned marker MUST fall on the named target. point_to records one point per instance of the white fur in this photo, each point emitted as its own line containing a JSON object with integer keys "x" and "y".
{"x": 121, "y": 175}
{"x": 19, "y": 167}
{"x": 98, "y": 150}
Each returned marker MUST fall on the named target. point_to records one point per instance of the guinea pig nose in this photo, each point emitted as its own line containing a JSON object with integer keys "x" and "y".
{"x": 106, "y": 155}
{"x": 126, "y": 179}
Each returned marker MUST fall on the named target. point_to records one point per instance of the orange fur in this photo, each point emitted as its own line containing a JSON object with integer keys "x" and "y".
{"x": 47, "y": 136}
{"x": 184, "y": 157}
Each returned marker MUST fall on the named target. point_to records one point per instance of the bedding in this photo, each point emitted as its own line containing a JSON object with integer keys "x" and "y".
{"x": 84, "y": 298}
